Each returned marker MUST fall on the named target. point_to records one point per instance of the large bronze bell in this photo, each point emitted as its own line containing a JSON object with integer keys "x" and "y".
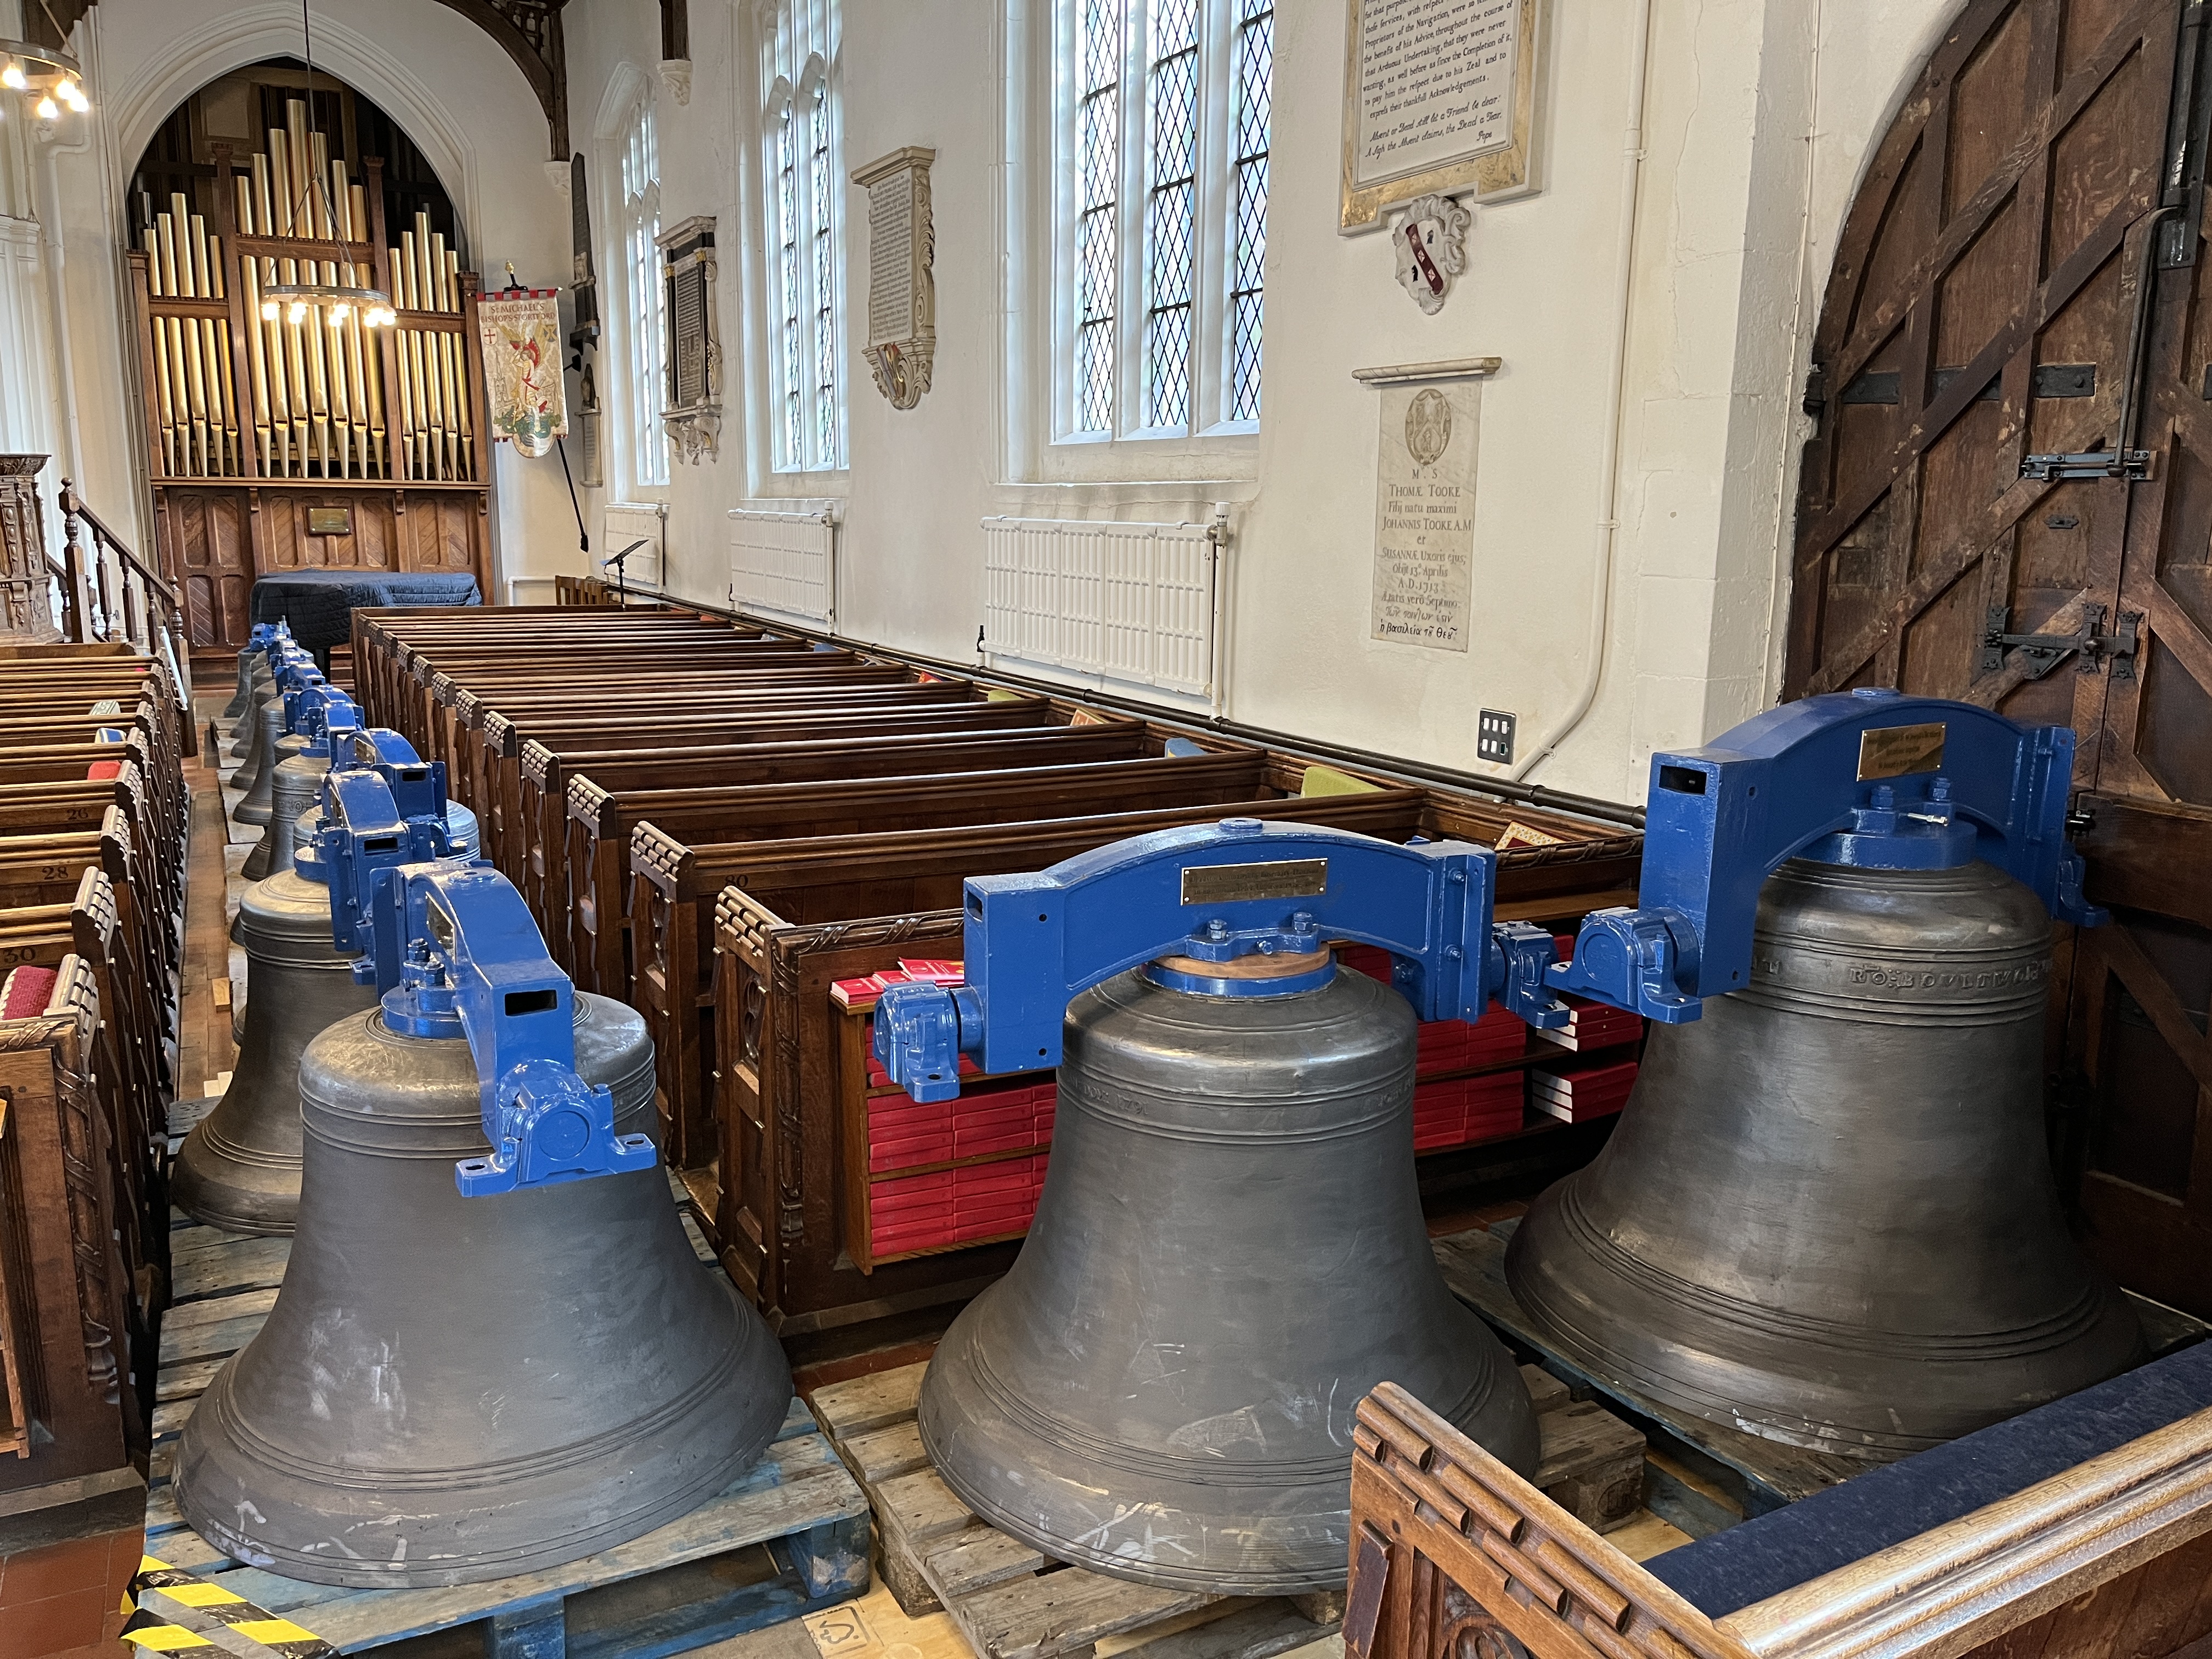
{"x": 257, "y": 777}
{"x": 1826, "y": 1215}
{"x": 246, "y": 734}
{"x": 240, "y": 1168}
{"x": 294, "y": 787}
{"x": 452, "y": 1389}
{"x": 236, "y": 706}
{"x": 259, "y": 678}
{"x": 1228, "y": 1254}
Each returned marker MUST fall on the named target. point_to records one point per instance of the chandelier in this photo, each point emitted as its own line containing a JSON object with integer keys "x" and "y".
{"x": 336, "y": 301}
{"x": 50, "y": 73}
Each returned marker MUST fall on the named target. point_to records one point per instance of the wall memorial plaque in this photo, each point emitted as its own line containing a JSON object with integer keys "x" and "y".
{"x": 1439, "y": 99}
{"x": 901, "y": 341}
{"x": 1424, "y": 514}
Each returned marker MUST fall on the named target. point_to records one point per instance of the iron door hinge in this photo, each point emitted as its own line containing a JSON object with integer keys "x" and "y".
{"x": 2044, "y": 652}
{"x": 2133, "y": 465}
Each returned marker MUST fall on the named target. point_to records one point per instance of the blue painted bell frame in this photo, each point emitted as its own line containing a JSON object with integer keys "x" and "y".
{"x": 1870, "y": 778}
{"x": 455, "y": 953}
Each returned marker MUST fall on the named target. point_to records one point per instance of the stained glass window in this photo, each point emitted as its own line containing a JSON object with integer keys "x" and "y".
{"x": 1165, "y": 142}
{"x": 646, "y": 448}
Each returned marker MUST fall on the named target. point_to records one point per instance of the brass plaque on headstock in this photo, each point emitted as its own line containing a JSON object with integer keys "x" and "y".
{"x": 330, "y": 522}
{"x": 1893, "y": 751}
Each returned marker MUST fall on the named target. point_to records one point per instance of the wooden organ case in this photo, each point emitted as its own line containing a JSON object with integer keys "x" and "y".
{"x": 299, "y": 441}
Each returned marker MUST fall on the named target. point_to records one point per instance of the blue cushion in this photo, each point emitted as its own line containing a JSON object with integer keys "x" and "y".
{"x": 1887, "y": 1505}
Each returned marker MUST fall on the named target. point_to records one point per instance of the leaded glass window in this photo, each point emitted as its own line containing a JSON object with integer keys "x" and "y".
{"x": 806, "y": 232}
{"x": 1252, "y": 82}
{"x": 1163, "y": 144}
{"x": 1102, "y": 29}
{"x": 645, "y": 448}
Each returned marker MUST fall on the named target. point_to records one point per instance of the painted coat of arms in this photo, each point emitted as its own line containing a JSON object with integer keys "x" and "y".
{"x": 527, "y": 403}
{"x": 1431, "y": 241}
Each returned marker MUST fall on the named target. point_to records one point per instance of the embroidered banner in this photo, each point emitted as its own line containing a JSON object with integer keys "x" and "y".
{"x": 523, "y": 388}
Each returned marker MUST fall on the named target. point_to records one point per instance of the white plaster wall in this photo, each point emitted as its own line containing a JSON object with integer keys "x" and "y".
{"x": 1759, "y": 116}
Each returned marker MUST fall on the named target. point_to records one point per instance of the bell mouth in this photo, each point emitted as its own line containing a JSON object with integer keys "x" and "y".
{"x": 1277, "y": 973}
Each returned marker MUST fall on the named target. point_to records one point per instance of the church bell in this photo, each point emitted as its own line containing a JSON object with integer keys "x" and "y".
{"x": 258, "y": 775}
{"x": 491, "y": 1353}
{"x": 1826, "y": 1215}
{"x": 239, "y": 1167}
{"x": 1228, "y": 1251}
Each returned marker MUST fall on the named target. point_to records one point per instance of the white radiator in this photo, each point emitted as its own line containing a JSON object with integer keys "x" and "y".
{"x": 618, "y": 528}
{"x": 1130, "y": 602}
{"x": 783, "y": 559}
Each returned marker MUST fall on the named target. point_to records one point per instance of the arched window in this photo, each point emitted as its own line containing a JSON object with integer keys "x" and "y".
{"x": 804, "y": 166}
{"x": 1163, "y": 120}
{"x": 642, "y": 324}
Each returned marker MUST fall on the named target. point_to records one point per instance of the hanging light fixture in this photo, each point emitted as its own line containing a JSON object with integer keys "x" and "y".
{"x": 48, "y": 73}
{"x": 336, "y": 301}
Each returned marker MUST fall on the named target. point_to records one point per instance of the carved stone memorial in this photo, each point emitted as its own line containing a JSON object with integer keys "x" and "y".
{"x": 1439, "y": 99}
{"x": 901, "y": 341}
{"x": 1424, "y": 514}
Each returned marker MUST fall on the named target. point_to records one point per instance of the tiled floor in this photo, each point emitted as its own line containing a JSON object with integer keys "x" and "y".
{"x": 67, "y": 1598}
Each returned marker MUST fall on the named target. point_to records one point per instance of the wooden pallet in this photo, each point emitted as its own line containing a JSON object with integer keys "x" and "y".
{"x": 1756, "y": 1474}
{"x": 788, "y": 1538}
{"x": 1013, "y": 1602}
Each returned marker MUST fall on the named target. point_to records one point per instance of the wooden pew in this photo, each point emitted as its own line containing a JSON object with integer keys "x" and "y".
{"x": 840, "y": 803}
{"x": 383, "y": 640}
{"x": 645, "y": 694}
{"x": 523, "y": 796}
{"x": 640, "y": 662}
{"x": 487, "y": 738}
{"x": 1454, "y": 1554}
{"x": 64, "y": 1291}
{"x": 127, "y": 1052}
{"x": 579, "y": 835}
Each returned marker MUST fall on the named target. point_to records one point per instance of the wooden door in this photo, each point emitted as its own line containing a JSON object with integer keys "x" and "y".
{"x": 2009, "y": 500}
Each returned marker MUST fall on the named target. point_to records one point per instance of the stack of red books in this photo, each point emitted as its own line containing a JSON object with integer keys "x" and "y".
{"x": 1594, "y": 1025}
{"x": 954, "y": 1206}
{"x": 1578, "y": 1096}
{"x": 1461, "y": 1110}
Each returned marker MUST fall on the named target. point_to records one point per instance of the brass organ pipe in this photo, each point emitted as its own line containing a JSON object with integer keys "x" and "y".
{"x": 257, "y": 362}
{"x": 280, "y": 182}
{"x": 448, "y": 430}
{"x": 319, "y": 386}
{"x": 163, "y": 399}
{"x": 295, "y": 358}
{"x": 174, "y": 335}
{"x": 405, "y": 266}
{"x": 233, "y": 456}
{"x": 242, "y": 188}
{"x": 202, "y": 287}
{"x": 264, "y": 213}
{"x": 280, "y": 382}
{"x": 403, "y": 457}
{"x": 426, "y": 417}
{"x": 166, "y": 229}
{"x": 297, "y": 165}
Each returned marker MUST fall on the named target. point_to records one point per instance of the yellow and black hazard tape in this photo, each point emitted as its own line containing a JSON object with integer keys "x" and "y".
{"x": 172, "y": 1611}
